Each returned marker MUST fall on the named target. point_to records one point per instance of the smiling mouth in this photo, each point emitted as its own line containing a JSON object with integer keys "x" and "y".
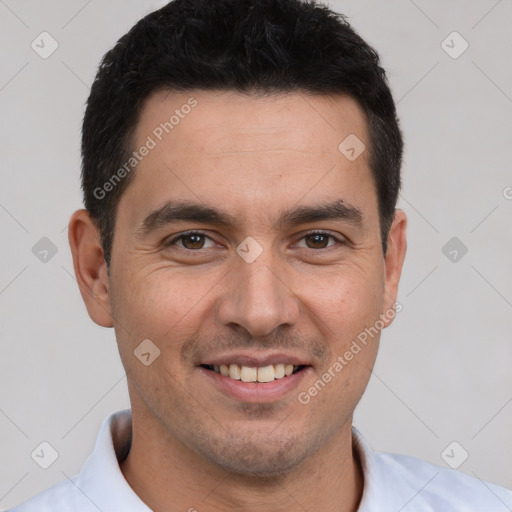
{"x": 254, "y": 374}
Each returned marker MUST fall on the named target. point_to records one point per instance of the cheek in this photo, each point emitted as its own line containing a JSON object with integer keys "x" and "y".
{"x": 156, "y": 307}
{"x": 162, "y": 306}
{"x": 345, "y": 308}
{"x": 158, "y": 297}
{"x": 344, "y": 301}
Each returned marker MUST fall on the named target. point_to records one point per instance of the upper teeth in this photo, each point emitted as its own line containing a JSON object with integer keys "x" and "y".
{"x": 255, "y": 374}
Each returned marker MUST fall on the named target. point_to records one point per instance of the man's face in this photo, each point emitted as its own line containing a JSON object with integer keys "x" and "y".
{"x": 260, "y": 291}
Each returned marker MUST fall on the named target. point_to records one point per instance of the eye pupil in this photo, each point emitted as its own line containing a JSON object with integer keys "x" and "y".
{"x": 197, "y": 241}
{"x": 319, "y": 241}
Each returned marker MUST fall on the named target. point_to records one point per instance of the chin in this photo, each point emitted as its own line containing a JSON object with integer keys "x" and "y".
{"x": 258, "y": 455}
{"x": 258, "y": 464}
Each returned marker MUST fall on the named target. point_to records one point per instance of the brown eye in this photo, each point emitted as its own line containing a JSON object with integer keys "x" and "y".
{"x": 192, "y": 241}
{"x": 317, "y": 240}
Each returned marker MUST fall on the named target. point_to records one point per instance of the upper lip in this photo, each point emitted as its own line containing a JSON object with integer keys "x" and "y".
{"x": 256, "y": 360}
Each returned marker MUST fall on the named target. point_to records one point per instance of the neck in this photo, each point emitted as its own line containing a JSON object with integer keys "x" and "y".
{"x": 161, "y": 470}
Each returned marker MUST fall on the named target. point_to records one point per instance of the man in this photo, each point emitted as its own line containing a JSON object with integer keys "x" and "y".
{"x": 241, "y": 167}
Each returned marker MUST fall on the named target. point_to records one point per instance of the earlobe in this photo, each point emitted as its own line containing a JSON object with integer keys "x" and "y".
{"x": 90, "y": 267}
{"x": 393, "y": 262}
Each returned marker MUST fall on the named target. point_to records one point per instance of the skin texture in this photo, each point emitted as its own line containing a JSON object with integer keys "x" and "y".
{"x": 254, "y": 158}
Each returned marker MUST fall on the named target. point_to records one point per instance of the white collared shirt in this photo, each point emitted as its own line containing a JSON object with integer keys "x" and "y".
{"x": 392, "y": 483}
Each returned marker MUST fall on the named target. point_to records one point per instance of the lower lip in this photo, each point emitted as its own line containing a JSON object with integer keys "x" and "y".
{"x": 256, "y": 392}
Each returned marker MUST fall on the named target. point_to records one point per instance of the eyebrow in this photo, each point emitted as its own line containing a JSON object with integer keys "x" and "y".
{"x": 177, "y": 211}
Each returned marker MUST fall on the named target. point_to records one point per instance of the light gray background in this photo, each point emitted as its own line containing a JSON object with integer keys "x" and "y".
{"x": 443, "y": 373}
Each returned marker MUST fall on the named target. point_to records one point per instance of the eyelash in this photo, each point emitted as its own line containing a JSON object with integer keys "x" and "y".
{"x": 181, "y": 236}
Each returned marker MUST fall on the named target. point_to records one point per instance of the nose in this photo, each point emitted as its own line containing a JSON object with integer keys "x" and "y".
{"x": 258, "y": 298}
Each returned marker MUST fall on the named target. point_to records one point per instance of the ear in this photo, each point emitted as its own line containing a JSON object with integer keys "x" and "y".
{"x": 90, "y": 267}
{"x": 393, "y": 261}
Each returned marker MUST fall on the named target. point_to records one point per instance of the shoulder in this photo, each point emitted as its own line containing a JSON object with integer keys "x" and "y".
{"x": 430, "y": 487}
{"x": 62, "y": 496}
{"x": 446, "y": 482}
{"x": 399, "y": 482}
{"x": 100, "y": 485}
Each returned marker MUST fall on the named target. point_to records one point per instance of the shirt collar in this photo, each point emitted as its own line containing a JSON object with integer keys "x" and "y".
{"x": 101, "y": 478}
{"x": 387, "y": 485}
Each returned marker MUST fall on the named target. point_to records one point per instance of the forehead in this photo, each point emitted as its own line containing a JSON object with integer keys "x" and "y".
{"x": 249, "y": 153}
{"x": 315, "y": 122}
